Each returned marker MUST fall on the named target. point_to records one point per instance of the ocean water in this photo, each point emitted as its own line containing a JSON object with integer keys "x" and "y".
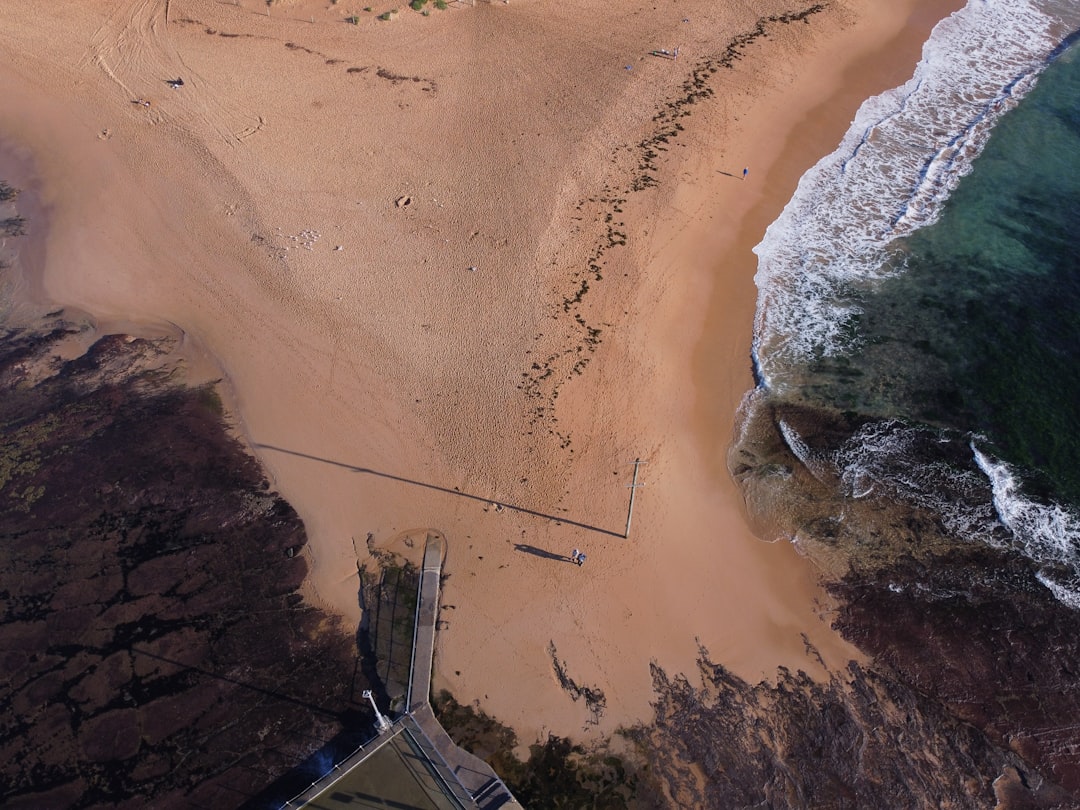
{"x": 924, "y": 285}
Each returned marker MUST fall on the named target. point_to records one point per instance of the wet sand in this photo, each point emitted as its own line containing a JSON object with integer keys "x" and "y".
{"x": 381, "y": 232}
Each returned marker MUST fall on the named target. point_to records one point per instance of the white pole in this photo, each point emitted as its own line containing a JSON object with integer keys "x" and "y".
{"x": 381, "y": 723}
{"x": 633, "y": 489}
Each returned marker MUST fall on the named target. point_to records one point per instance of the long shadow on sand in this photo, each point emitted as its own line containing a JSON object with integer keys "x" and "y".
{"x": 438, "y": 488}
{"x": 539, "y": 552}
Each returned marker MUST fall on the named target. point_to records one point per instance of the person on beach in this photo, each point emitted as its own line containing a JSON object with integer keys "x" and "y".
{"x": 574, "y": 555}
{"x": 580, "y": 559}
{"x": 745, "y": 172}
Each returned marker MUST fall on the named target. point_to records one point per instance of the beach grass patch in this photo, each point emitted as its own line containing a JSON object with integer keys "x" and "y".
{"x": 441, "y": 5}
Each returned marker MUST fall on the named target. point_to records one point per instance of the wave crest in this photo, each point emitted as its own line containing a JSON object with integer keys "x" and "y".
{"x": 1048, "y": 534}
{"x": 903, "y": 155}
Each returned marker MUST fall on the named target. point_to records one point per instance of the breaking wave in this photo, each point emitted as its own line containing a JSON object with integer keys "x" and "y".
{"x": 1048, "y": 534}
{"x": 839, "y": 256}
{"x": 901, "y": 158}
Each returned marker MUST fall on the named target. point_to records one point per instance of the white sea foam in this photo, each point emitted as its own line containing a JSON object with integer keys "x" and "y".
{"x": 1048, "y": 534}
{"x": 903, "y": 155}
{"x": 896, "y": 460}
{"x": 800, "y": 449}
{"x": 983, "y": 503}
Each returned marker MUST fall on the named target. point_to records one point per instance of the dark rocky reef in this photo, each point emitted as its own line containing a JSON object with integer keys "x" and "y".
{"x": 863, "y": 739}
{"x": 993, "y": 650}
{"x": 154, "y": 650}
{"x": 970, "y": 697}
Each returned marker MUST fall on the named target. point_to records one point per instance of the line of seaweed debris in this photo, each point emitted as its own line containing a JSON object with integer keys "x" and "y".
{"x": 594, "y": 698}
{"x": 543, "y": 380}
{"x": 696, "y": 89}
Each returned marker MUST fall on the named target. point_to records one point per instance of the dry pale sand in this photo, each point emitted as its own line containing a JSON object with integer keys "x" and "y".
{"x": 388, "y": 363}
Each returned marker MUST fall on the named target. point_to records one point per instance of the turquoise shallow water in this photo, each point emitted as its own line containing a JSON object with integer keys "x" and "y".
{"x": 981, "y": 331}
{"x": 922, "y": 288}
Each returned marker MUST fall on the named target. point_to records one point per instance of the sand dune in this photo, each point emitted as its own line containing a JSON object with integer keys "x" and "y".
{"x": 459, "y": 263}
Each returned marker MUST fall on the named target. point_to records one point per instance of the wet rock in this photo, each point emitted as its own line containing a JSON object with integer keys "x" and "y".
{"x": 154, "y": 649}
{"x": 860, "y": 740}
{"x": 112, "y": 735}
{"x": 978, "y": 633}
{"x": 971, "y": 657}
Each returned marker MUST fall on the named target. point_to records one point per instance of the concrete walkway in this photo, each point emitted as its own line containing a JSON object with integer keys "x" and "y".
{"x": 427, "y": 615}
{"x": 466, "y": 781}
{"x": 475, "y": 775}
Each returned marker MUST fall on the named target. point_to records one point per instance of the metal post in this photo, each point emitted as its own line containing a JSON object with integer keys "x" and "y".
{"x": 381, "y": 723}
{"x": 633, "y": 489}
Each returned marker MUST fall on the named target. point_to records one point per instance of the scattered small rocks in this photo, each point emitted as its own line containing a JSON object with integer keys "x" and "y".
{"x": 306, "y": 239}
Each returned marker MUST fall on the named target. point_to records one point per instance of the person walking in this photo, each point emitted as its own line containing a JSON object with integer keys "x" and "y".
{"x": 574, "y": 556}
{"x": 580, "y": 559}
{"x": 745, "y": 172}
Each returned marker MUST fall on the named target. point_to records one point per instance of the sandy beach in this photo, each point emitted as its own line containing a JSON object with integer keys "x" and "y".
{"x": 458, "y": 271}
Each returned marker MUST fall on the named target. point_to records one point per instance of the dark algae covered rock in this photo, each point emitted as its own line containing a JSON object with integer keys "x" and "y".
{"x": 996, "y": 652}
{"x": 969, "y": 696}
{"x": 154, "y": 650}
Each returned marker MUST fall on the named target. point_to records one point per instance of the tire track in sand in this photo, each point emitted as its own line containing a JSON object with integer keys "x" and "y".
{"x": 133, "y": 47}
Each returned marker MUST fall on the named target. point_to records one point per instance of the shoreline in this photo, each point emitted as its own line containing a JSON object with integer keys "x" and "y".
{"x": 715, "y": 292}
{"x": 813, "y": 130}
{"x": 409, "y": 350}
{"x": 29, "y": 300}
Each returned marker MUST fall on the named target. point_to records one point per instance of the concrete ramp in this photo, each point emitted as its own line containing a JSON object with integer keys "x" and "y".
{"x": 438, "y": 773}
{"x": 427, "y": 615}
{"x": 475, "y": 775}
